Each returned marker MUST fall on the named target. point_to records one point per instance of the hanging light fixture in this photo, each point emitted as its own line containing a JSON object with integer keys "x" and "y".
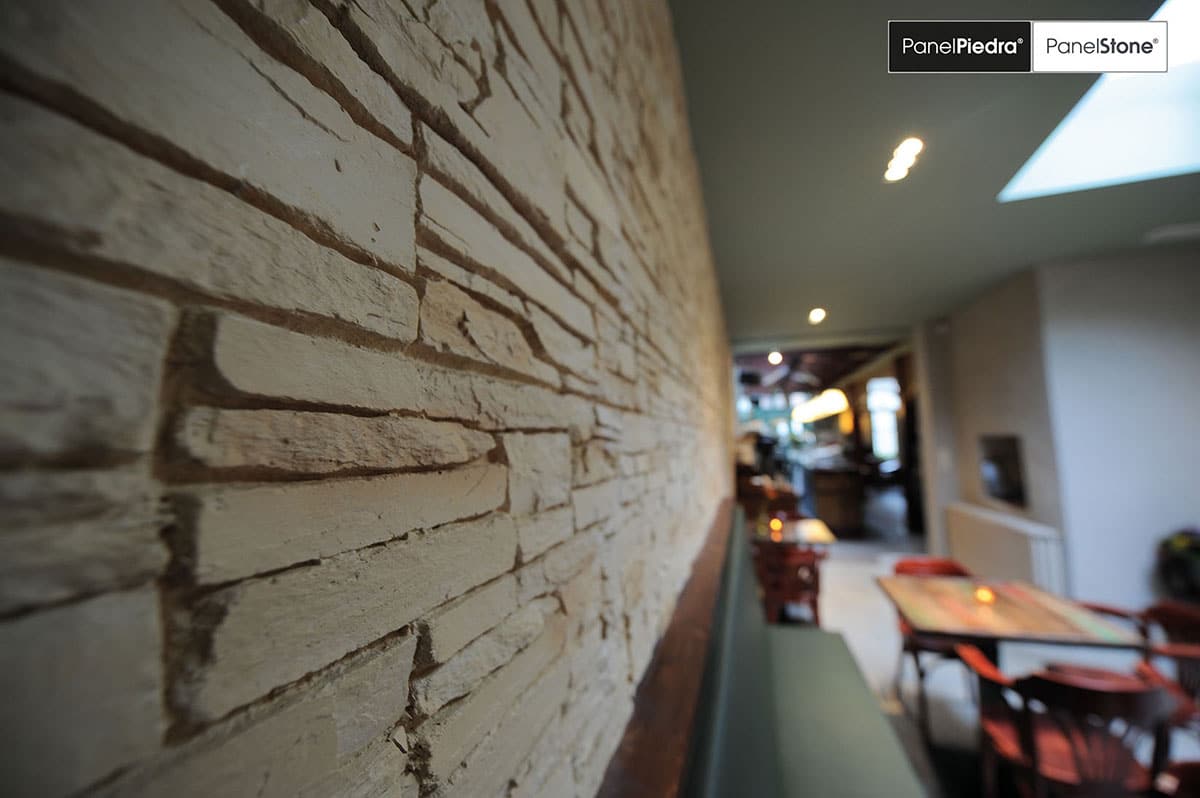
{"x": 823, "y": 405}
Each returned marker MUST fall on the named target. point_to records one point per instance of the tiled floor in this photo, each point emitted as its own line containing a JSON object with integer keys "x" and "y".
{"x": 851, "y": 603}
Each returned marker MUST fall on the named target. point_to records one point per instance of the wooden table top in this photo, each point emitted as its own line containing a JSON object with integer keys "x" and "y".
{"x": 954, "y": 606}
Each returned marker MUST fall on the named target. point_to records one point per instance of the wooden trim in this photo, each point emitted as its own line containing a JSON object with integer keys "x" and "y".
{"x": 653, "y": 753}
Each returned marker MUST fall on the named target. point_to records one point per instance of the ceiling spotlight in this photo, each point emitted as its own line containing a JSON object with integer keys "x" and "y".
{"x": 903, "y": 158}
{"x": 910, "y": 147}
{"x": 816, "y": 315}
{"x": 775, "y": 358}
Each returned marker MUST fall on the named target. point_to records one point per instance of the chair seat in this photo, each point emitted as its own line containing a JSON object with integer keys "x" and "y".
{"x": 1056, "y": 762}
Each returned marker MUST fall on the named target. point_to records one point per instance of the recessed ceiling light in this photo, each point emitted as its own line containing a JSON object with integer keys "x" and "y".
{"x": 816, "y": 315}
{"x": 910, "y": 147}
{"x": 775, "y": 358}
{"x": 903, "y": 158}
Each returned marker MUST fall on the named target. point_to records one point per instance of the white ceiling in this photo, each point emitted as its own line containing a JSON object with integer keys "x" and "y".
{"x": 794, "y": 118}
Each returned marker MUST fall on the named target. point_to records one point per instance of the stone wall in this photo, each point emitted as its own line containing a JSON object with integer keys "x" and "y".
{"x": 364, "y": 391}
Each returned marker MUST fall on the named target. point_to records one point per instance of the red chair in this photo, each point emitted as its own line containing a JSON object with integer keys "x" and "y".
{"x": 915, "y": 644}
{"x": 1071, "y": 733}
{"x": 1179, "y": 622}
{"x": 787, "y": 574}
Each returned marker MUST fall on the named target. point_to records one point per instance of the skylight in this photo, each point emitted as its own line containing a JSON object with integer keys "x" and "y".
{"x": 1128, "y": 127}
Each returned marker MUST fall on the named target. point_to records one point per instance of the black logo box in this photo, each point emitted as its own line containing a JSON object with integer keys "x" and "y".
{"x": 1015, "y": 33}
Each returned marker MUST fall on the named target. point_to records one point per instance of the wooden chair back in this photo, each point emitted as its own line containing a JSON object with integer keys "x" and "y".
{"x": 788, "y": 573}
{"x": 1104, "y": 722}
{"x": 1180, "y": 622}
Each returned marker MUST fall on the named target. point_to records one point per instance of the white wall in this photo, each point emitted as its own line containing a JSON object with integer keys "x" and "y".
{"x": 999, "y": 388}
{"x": 935, "y": 425}
{"x": 1122, "y": 347}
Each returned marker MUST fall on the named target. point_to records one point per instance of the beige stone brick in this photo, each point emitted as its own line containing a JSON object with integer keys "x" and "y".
{"x": 126, "y": 208}
{"x": 436, "y": 264}
{"x": 241, "y": 531}
{"x": 324, "y": 443}
{"x": 592, "y": 462}
{"x": 566, "y": 559}
{"x": 547, "y": 768}
{"x": 274, "y": 630}
{"x": 467, "y": 668}
{"x": 490, "y": 767}
{"x": 539, "y": 471}
{"x": 263, "y": 360}
{"x": 536, "y": 533}
{"x": 378, "y": 771}
{"x": 448, "y": 737}
{"x": 205, "y": 88}
{"x": 454, "y": 167}
{"x": 69, "y": 533}
{"x": 83, "y": 687}
{"x": 453, "y": 322}
{"x": 595, "y": 502}
{"x": 460, "y": 621}
{"x": 461, "y": 228}
{"x": 327, "y": 738}
{"x": 315, "y": 40}
{"x": 531, "y": 56}
{"x": 563, "y": 347}
{"x": 80, "y": 366}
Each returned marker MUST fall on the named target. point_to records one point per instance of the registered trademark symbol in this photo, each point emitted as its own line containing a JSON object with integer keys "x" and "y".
{"x": 1022, "y": 41}
{"x": 1156, "y": 40}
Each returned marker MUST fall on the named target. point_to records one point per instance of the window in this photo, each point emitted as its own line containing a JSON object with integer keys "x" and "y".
{"x": 883, "y": 402}
{"x": 1128, "y": 127}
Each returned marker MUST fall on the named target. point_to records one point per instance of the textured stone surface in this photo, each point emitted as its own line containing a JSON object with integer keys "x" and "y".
{"x": 536, "y": 533}
{"x": 334, "y": 174}
{"x": 262, "y": 360}
{"x": 539, "y": 471}
{"x": 275, "y": 630}
{"x": 70, "y": 533}
{"x": 483, "y": 655}
{"x": 453, "y": 322}
{"x": 89, "y": 695}
{"x": 80, "y": 365}
{"x": 365, "y": 397}
{"x": 483, "y": 772}
{"x": 112, "y": 203}
{"x": 451, "y": 734}
{"x": 321, "y": 740}
{"x": 329, "y": 61}
{"x": 243, "y": 531}
{"x": 431, "y": 262}
{"x": 460, "y": 621}
{"x": 319, "y": 443}
{"x": 596, "y": 502}
{"x": 458, "y": 226}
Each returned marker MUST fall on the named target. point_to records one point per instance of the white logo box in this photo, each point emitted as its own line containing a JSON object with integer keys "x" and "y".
{"x": 1100, "y": 46}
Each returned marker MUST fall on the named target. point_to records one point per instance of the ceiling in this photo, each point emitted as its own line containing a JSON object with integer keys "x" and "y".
{"x": 807, "y": 371}
{"x": 794, "y": 118}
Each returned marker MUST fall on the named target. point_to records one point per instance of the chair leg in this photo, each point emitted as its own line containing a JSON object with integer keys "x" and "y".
{"x": 972, "y": 685}
{"x": 899, "y": 677}
{"x": 816, "y": 613}
{"x": 989, "y": 768}
{"x": 922, "y": 699}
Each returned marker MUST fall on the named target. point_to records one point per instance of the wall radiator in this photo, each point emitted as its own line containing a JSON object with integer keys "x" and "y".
{"x": 997, "y": 545}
